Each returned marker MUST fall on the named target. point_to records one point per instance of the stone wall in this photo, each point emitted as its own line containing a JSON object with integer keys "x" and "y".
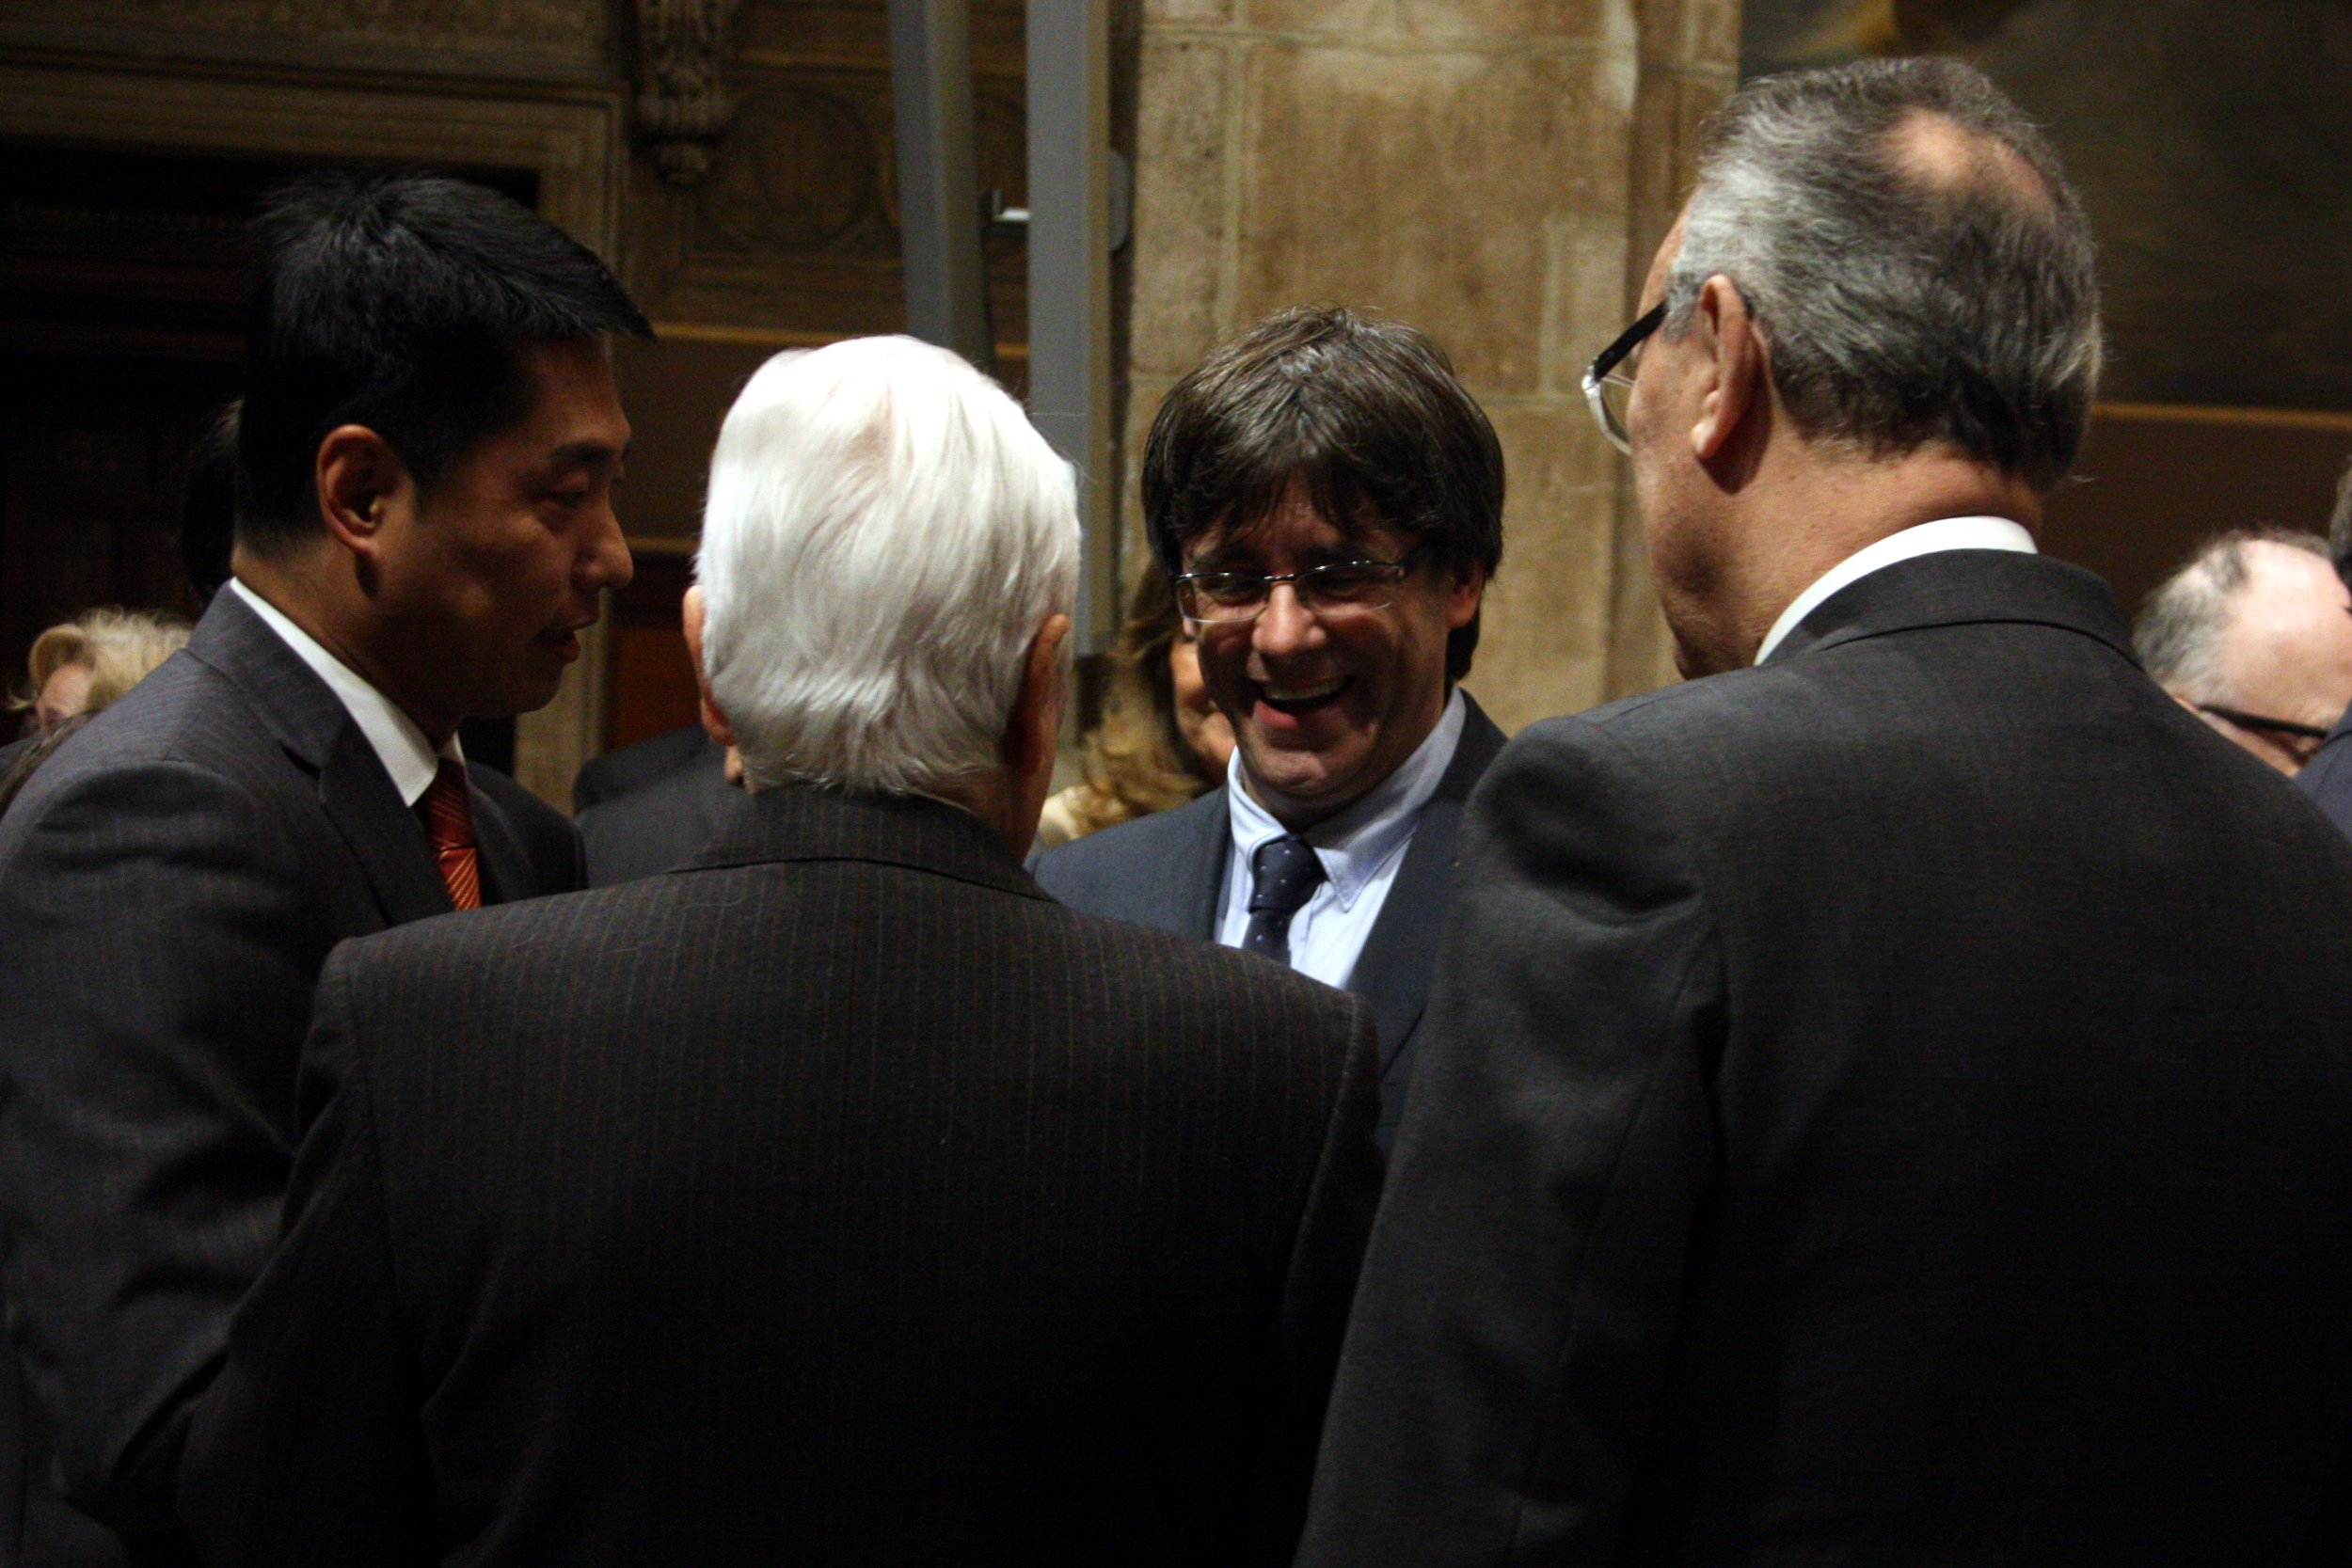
{"x": 1496, "y": 172}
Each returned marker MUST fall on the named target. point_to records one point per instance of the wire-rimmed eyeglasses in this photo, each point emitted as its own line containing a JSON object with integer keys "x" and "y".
{"x": 2299, "y": 741}
{"x": 1337, "y": 586}
{"x": 1607, "y": 388}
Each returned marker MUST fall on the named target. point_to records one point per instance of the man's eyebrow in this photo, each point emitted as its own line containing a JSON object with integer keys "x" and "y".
{"x": 576, "y": 454}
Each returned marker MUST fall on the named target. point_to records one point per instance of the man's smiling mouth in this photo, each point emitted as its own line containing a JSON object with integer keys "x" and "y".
{"x": 1299, "y": 699}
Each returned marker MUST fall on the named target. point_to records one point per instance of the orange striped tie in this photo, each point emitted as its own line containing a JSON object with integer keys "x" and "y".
{"x": 448, "y": 823}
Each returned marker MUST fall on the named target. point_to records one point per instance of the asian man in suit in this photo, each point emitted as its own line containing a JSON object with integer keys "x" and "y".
{"x": 839, "y": 1197}
{"x": 1329, "y": 502}
{"x": 425, "y": 457}
{"x": 1885, "y": 1097}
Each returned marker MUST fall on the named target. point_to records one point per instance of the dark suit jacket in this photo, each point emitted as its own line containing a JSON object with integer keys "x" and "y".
{"x": 170, "y": 882}
{"x": 2328, "y": 777}
{"x": 660, "y": 826}
{"x": 632, "y": 768}
{"x": 841, "y": 1199}
{"x": 1167, "y": 871}
{"x": 1885, "y": 1106}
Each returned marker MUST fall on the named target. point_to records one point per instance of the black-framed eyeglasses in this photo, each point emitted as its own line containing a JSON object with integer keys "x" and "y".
{"x": 2285, "y": 731}
{"x": 1608, "y": 389}
{"x": 1337, "y": 586}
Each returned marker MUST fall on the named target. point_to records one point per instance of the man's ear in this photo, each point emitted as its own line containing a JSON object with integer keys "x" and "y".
{"x": 690, "y": 614}
{"x": 1466, "y": 585}
{"x": 360, "y": 479}
{"x": 1033, "y": 729}
{"x": 1739, "y": 387}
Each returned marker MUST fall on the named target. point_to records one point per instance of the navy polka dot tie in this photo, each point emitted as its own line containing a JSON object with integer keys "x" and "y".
{"x": 1287, "y": 872}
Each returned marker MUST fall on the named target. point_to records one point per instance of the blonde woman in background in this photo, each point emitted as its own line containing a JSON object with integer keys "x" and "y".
{"x": 1161, "y": 742}
{"x": 77, "y": 668}
{"x": 80, "y": 666}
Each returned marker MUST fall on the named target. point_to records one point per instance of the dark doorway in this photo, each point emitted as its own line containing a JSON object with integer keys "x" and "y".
{"x": 125, "y": 278}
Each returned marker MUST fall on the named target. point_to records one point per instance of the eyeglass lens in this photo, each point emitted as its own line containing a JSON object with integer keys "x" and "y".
{"x": 1340, "y": 586}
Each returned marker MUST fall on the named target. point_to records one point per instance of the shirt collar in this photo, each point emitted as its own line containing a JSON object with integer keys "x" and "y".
{"x": 1945, "y": 533}
{"x": 1355, "y": 845}
{"x": 406, "y": 755}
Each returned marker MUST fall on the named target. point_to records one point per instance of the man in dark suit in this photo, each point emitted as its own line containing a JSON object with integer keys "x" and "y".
{"x": 426, "y": 451}
{"x": 2327, "y": 778}
{"x": 664, "y": 823}
{"x": 1883, "y": 1105}
{"x": 647, "y": 761}
{"x": 1329, "y": 500}
{"x": 841, "y": 1197}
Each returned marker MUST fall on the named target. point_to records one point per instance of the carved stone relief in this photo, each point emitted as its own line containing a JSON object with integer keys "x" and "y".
{"x": 686, "y": 81}
{"x": 795, "y": 227}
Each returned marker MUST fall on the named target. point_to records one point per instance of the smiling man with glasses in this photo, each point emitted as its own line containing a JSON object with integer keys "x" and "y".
{"x": 1329, "y": 502}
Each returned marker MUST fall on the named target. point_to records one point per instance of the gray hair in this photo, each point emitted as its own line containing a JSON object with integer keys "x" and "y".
{"x": 1903, "y": 301}
{"x": 885, "y": 534}
{"x": 2178, "y": 634}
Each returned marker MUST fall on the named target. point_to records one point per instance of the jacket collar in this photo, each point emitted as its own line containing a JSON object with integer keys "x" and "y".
{"x": 803, "y": 822}
{"x": 1962, "y": 588}
{"x": 310, "y": 722}
{"x": 300, "y": 710}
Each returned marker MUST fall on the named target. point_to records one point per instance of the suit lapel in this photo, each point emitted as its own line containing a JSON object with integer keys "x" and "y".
{"x": 506, "y": 873}
{"x": 1393, "y": 973}
{"x": 384, "y": 835}
{"x": 1196, "y": 886}
{"x": 315, "y": 729}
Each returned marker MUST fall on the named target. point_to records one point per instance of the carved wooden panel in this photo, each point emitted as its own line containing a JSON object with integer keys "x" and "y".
{"x": 416, "y": 22}
{"x": 794, "y": 230}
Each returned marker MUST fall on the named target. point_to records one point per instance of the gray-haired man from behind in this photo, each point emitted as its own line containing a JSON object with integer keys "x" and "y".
{"x": 839, "y": 1197}
{"x": 1885, "y": 1098}
{"x": 2254, "y": 635}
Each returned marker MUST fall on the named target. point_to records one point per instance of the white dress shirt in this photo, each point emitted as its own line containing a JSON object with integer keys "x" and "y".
{"x": 1360, "y": 849}
{"x": 407, "y": 755}
{"x": 1945, "y": 533}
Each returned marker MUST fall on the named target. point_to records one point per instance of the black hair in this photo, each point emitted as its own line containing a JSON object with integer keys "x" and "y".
{"x": 1364, "y": 413}
{"x": 402, "y": 303}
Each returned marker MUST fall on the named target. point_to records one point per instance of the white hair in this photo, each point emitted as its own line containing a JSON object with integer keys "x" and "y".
{"x": 885, "y": 534}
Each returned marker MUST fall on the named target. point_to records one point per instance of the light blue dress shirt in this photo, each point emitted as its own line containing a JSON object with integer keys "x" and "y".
{"x": 1360, "y": 849}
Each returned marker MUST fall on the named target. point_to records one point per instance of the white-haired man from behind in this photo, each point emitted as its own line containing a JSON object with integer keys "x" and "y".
{"x": 839, "y": 1196}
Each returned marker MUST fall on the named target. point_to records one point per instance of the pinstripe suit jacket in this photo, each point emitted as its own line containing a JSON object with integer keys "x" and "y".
{"x": 839, "y": 1198}
{"x": 169, "y": 884}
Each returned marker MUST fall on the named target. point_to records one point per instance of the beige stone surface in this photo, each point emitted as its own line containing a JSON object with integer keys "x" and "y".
{"x": 1544, "y": 641}
{"x": 1212, "y": 13}
{"x": 1182, "y": 195}
{"x": 1424, "y": 185}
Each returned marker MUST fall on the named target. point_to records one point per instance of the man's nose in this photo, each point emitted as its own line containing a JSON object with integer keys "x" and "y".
{"x": 606, "y": 563}
{"x": 1286, "y": 626}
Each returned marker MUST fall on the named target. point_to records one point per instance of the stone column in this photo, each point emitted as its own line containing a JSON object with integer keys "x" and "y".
{"x": 1496, "y": 172}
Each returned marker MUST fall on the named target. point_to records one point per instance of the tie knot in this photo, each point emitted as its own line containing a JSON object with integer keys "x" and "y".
{"x": 448, "y": 809}
{"x": 1286, "y": 871}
